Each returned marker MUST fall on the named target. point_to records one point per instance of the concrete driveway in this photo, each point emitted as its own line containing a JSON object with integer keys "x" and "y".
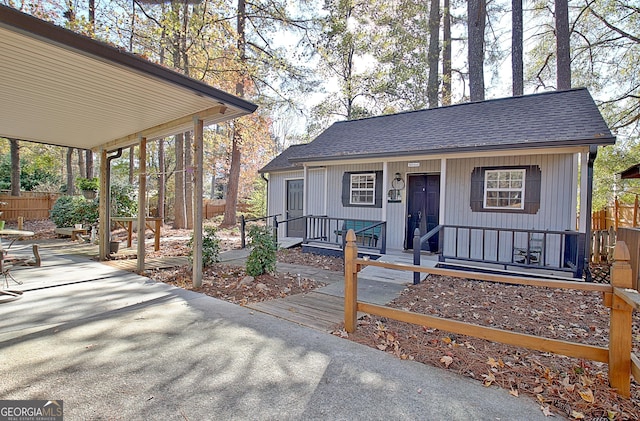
{"x": 114, "y": 345}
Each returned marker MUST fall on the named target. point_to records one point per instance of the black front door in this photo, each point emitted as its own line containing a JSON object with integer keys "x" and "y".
{"x": 423, "y": 205}
{"x": 295, "y": 192}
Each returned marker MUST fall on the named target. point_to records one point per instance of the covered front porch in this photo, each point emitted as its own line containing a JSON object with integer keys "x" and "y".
{"x": 556, "y": 254}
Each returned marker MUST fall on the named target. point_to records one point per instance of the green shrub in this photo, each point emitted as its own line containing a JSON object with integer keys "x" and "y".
{"x": 262, "y": 258}
{"x": 71, "y": 210}
{"x": 87, "y": 183}
{"x": 210, "y": 247}
{"x": 124, "y": 200}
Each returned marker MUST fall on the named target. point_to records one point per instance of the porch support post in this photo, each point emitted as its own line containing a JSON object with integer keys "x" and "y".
{"x": 385, "y": 189}
{"x": 326, "y": 191}
{"x": 198, "y": 191}
{"x": 142, "y": 201}
{"x": 103, "y": 224}
{"x": 305, "y": 192}
{"x": 443, "y": 191}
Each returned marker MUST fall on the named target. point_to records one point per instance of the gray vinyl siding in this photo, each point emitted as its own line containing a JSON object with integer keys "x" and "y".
{"x": 555, "y": 213}
{"x": 315, "y": 191}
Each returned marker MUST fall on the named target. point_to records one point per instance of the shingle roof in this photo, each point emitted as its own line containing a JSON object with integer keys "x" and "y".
{"x": 283, "y": 161}
{"x": 549, "y": 119}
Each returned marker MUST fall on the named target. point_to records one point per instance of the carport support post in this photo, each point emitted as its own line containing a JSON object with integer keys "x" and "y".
{"x": 142, "y": 201}
{"x": 197, "y": 205}
{"x": 350, "y": 282}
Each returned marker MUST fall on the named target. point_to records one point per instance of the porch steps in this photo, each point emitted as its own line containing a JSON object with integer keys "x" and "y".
{"x": 288, "y": 242}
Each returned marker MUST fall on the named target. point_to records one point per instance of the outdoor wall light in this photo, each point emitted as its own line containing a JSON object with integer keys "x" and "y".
{"x": 398, "y": 182}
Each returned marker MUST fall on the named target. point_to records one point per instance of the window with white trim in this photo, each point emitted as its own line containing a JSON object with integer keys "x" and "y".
{"x": 504, "y": 189}
{"x": 363, "y": 189}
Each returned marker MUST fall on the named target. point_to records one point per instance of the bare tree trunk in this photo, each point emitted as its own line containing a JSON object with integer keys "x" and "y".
{"x": 563, "y": 46}
{"x": 161, "y": 179}
{"x": 180, "y": 217}
{"x": 89, "y": 162}
{"x": 71, "y": 190}
{"x": 446, "y": 54}
{"x": 234, "y": 177}
{"x": 92, "y": 21}
{"x": 517, "y": 73}
{"x": 81, "y": 167}
{"x": 236, "y": 155}
{"x": 15, "y": 167}
{"x": 476, "y": 10}
{"x": 188, "y": 180}
{"x": 434, "y": 53}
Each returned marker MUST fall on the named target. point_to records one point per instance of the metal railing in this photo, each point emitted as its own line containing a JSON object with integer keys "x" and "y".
{"x": 329, "y": 231}
{"x": 243, "y": 227}
{"x": 534, "y": 249}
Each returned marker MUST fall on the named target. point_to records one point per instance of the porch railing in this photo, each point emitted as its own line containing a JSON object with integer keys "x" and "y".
{"x": 328, "y": 231}
{"x": 534, "y": 249}
{"x": 266, "y": 219}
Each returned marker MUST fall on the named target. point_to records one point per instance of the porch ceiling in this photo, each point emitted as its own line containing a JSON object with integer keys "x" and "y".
{"x": 62, "y": 88}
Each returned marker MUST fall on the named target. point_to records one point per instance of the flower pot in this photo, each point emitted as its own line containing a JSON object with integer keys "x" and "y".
{"x": 113, "y": 247}
{"x": 89, "y": 194}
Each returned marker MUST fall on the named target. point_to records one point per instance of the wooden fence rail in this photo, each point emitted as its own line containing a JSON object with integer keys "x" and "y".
{"x": 618, "y": 296}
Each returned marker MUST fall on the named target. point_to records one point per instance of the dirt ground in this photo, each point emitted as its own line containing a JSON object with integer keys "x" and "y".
{"x": 577, "y": 389}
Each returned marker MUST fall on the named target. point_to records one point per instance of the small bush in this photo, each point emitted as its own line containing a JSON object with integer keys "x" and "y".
{"x": 262, "y": 258}
{"x": 71, "y": 210}
{"x": 210, "y": 247}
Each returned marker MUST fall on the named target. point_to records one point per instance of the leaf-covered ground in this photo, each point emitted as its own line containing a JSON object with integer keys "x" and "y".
{"x": 574, "y": 388}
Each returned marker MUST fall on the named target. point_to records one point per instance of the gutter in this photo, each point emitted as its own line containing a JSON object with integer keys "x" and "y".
{"x": 118, "y": 154}
{"x": 593, "y": 153}
{"x": 266, "y": 211}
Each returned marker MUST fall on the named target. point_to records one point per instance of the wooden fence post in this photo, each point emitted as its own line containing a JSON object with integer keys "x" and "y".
{"x": 350, "y": 282}
{"x": 620, "y": 324}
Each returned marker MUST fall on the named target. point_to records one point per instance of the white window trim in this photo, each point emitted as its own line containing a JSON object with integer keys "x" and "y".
{"x": 522, "y": 190}
{"x": 373, "y": 189}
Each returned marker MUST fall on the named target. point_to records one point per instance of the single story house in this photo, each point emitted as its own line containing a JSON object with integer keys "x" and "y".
{"x": 493, "y": 183}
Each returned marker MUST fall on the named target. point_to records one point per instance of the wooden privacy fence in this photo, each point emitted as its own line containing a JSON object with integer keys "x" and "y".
{"x": 209, "y": 210}
{"x": 616, "y": 216}
{"x": 31, "y": 207}
{"x": 619, "y": 297}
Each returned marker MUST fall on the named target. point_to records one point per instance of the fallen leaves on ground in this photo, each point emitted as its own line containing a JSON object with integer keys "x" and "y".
{"x": 231, "y": 283}
{"x": 574, "y": 388}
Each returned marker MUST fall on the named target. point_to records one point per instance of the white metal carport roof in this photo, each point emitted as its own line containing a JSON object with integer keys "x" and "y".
{"x": 62, "y": 88}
